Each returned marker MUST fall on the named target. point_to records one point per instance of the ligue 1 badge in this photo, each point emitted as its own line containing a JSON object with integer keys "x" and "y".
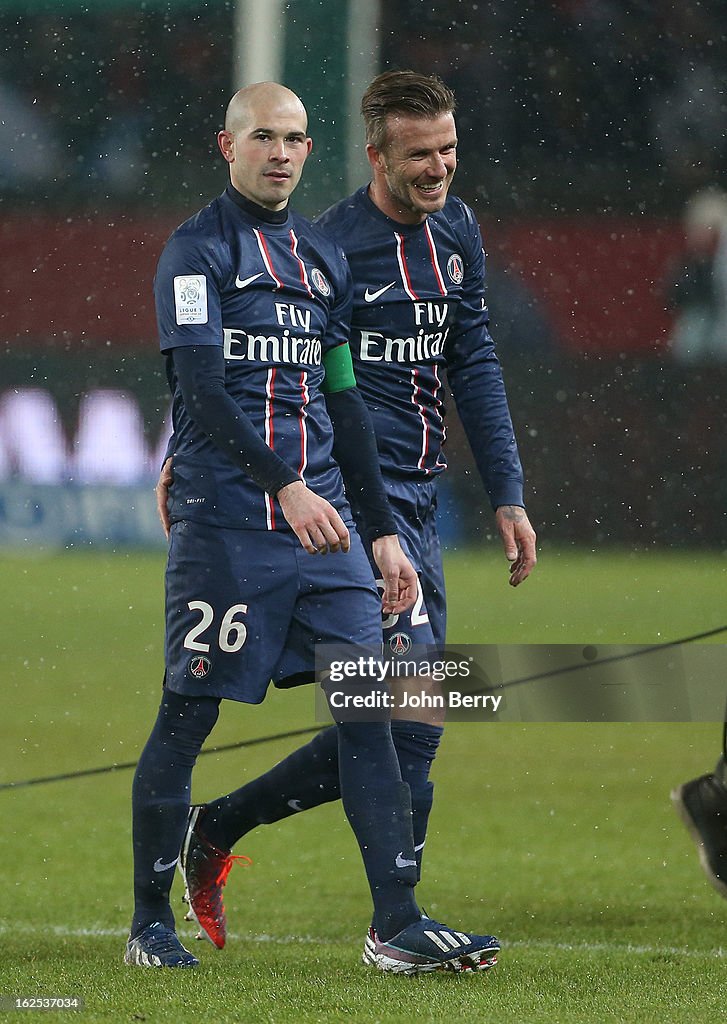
{"x": 190, "y": 299}
{"x": 400, "y": 643}
{"x": 199, "y": 666}
{"x": 320, "y": 282}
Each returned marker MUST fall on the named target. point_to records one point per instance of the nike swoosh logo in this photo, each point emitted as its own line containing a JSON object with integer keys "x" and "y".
{"x": 158, "y": 866}
{"x": 239, "y": 283}
{"x": 402, "y": 862}
{"x": 295, "y": 804}
{"x": 370, "y": 296}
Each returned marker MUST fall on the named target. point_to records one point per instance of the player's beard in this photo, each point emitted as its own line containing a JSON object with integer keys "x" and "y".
{"x": 406, "y": 195}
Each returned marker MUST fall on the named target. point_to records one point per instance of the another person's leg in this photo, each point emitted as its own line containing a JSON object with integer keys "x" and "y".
{"x": 702, "y": 805}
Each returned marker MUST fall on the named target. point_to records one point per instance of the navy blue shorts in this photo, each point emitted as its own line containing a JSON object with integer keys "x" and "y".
{"x": 246, "y": 607}
{"x": 415, "y": 509}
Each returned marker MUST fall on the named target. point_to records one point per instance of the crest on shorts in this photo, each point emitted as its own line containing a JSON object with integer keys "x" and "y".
{"x": 455, "y": 268}
{"x": 199, "y": 666}
{"x": 400, "y": 643}
{"x": 320, "y": 282}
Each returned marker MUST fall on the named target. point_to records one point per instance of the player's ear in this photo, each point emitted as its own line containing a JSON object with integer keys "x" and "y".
{"x": 309, "y": 144}
{"x": 375, "y": 157}
{"x": 226, "y": 142}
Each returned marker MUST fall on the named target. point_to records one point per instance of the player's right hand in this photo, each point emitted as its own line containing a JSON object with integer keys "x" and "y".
{"x": 399, "y": 575}
{"x": 162, "y": 492}
{"x": 518, "y": 540}
{"x": 315, "y": 522}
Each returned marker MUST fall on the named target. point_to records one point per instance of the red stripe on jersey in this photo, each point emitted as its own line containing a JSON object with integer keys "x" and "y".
{"x": 416, "y": 389}
{"x": 442, "y": 425}
{"x": 305, "y": 392}
{"x": 435, "y": 261}
{"x": 301, "y": 264}
{"x": 270, "y": 440}
{"x": 403, "y": 269}
{"x": 262, "y": 246}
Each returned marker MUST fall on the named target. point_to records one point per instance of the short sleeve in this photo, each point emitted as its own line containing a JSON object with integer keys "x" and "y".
{"x": 187, "y": 293}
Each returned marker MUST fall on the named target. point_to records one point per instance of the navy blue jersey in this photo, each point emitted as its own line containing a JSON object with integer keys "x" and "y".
{"x": 276, "y": 297}
{"x": 419, "y": 308}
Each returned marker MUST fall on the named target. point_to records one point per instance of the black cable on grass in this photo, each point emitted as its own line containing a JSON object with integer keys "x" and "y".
{"x": 599, "y": 664}
{"x": 107, "y": 769}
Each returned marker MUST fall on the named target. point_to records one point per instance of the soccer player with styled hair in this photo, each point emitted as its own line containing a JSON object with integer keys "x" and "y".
{"x": 253, "y": 308}
{"x": 419, "y": 309}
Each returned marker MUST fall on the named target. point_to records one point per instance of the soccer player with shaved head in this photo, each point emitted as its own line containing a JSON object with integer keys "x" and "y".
{"x": 419, "y": 311}
{"x": 253, "y": 309}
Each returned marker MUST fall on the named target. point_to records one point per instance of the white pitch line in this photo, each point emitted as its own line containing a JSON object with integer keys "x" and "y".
{"x": 62, "y": 931}
{"x": 613, "y": 947}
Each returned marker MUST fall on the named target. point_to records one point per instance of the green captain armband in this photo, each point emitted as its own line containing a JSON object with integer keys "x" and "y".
{"x": 338, "y": 364}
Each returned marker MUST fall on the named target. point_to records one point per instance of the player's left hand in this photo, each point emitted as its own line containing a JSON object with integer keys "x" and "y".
{"x": 399, "y": 575}
{"x": 162, "y": 492}
{"x": 518, "y": 540}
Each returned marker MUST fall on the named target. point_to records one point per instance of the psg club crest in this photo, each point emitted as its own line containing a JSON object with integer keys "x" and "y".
{"x": 400, "y": 643}
{"x": 455, "y": 268}
{"x": 320, "y": 283}
{"x": 199, "y": 666}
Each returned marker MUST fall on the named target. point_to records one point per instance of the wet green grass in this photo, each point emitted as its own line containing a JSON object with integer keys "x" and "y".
{"x": 557, "y": 837}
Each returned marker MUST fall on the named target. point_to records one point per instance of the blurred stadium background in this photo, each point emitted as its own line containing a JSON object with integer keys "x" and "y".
{"x": 585, "y": 127}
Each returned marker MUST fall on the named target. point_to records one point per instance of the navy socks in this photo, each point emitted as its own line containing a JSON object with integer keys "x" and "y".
{"x": 416, "y": 746}
{"x": 380, "y": 814}
{"x": 306, "y": 778}
{"x": 358, "y": 756}
{"x": 309, "y": 777}
{"x": 160, "y": 800}
{"x": 378, "y": 808}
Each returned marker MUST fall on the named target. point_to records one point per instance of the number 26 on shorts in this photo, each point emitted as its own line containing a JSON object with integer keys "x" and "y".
{"x": 232, "y": 631}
